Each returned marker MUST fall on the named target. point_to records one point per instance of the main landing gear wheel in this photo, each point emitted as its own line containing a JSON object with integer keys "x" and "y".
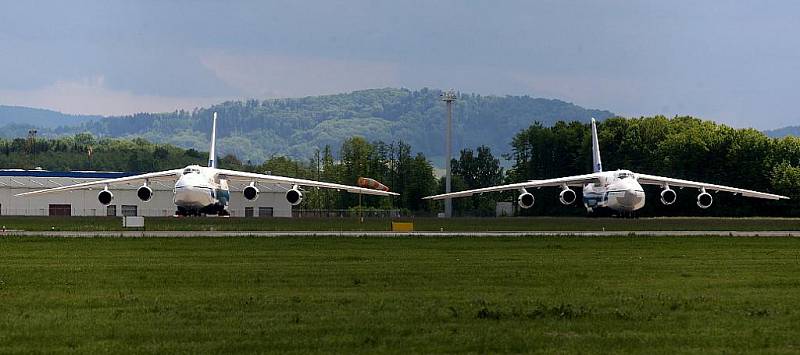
{"x": 180, "y": 212}
{"x": 184, "y": 212}
{"x": 628, "y": 215}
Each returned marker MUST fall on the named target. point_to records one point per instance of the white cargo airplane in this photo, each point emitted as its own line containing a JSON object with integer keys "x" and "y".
{"x": 204, "y": 190}
{"x": 619, "y": 191}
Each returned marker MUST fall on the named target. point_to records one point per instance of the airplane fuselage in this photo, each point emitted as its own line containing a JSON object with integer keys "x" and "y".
{"x": 616, "y": 190}
{"x": 198, "y": 190}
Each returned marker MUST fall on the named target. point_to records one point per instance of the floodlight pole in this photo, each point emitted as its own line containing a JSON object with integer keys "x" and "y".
{"x": 32, "y": 139}
{"x": 448, "y": 97}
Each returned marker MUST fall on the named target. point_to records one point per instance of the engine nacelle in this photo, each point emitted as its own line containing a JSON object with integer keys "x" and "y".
{"x": 668, "y": 196}
{"x": 704, "y": 200}
{"x": 105, "y": 197}
{"x": 567, "y": 196}
{"x": 371, "y": 184}
{"x": 145, "y": 193}
{"x": 525, "y": 200}
{"x": 251, "y": 193}
{"x": 294, "y": 196}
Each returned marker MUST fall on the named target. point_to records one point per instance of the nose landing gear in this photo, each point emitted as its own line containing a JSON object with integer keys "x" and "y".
{"x": 218, "y": 210}
{"x": 185, "y": 212}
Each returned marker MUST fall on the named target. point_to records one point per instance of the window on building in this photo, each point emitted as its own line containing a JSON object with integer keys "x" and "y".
{"x": 248, "y": 211}
{"x": 60, "y": 210}
{"x": 129, "y": 210}
{"x": 111, "y": 210}
{"x": 265, "y": 211}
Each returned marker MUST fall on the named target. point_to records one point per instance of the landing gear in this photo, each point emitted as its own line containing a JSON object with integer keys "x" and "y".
{"x": 185, "y": 212}
{"x": 180, "y": 212}
{"x": 607, "y": 212}
{"x": 598, "y": 212}
{"x": 218, "y": 210}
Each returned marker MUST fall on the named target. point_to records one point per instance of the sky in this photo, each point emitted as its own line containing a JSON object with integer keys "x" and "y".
{"x": 735, "y": 62}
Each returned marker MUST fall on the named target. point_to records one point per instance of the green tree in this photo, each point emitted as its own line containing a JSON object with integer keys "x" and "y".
{"x": 476, "y": 171}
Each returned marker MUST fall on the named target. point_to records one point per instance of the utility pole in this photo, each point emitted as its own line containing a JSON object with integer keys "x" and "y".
{"x": 448, "y": 97}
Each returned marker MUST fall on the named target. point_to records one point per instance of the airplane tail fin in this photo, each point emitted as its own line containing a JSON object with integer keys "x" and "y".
{"x": 597, "y": 165}
{"x": 212, "y": 154}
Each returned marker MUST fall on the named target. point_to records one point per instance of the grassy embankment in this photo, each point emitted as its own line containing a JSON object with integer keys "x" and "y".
{"x": 400, "y": 295}
{"x": 420, "y": 224}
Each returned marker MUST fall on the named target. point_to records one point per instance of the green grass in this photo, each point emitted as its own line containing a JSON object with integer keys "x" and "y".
{"x": 400, "y": 295}
{"x": 420, "y": 224}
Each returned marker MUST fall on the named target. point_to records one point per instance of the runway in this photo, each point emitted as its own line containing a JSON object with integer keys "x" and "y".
{"x": 370, "y": 234}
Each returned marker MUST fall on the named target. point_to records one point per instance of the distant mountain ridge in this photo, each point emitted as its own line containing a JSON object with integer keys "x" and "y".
{"x": 257, "y": 129}
{"x": 783, "y": 132}
{"x": 40, "y": 117}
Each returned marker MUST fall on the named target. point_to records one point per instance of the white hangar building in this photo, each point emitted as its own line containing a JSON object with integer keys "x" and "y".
{"x": 271, "y": 201}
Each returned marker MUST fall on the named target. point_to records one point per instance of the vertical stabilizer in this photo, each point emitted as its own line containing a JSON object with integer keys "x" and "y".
{"x": 212, "y": 154}
{"x": 597, "y": 165}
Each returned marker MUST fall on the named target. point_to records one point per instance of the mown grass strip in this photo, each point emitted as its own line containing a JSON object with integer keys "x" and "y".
{"x": 400, "y": 295}
{"x": 420, "y": 224}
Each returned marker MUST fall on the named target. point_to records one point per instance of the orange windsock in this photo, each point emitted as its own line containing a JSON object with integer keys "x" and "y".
{"x": 371, "y": 184}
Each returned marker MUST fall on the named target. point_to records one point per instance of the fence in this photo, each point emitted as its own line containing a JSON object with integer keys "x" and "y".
{"x": 132, "y": 210}
{"x": 349, "y": 213}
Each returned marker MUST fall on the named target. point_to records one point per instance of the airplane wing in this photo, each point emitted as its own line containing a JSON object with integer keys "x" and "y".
{"x": 161, "y": 175}
{"x": 662, "y": 181}
{"x": 577, "y": 180}
{"x": 245, "y": 177}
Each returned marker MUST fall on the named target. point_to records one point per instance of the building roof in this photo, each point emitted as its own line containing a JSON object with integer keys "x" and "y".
{"x": 43, "y": 179}
{"x": 65, "y": 174}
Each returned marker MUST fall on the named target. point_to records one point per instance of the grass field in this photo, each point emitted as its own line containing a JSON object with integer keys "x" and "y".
{"x": 400, "y": 295}
{"x": 420, "y": 224}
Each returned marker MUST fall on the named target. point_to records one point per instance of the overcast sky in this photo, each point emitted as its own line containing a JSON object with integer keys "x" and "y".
{"x": 732, "y": 61}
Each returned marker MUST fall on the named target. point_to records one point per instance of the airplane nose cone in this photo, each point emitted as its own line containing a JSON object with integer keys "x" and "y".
{"x": 633, "y": 199}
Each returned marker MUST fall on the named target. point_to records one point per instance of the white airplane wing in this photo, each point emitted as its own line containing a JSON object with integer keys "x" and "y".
{"x": 662, "y": 181}
{"x": 160, "y": 175}
{"x": 577, "y": 180}
{"x": 245, "y": 177}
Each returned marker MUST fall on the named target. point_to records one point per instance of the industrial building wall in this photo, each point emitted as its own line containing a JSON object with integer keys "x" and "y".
{"x": 266, "y": 200}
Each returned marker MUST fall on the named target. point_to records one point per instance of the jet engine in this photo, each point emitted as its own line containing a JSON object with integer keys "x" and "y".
{"x": 371, "y": 184}
{"x": 294, "y": 196}
{"x": 105, "y": 197}
{"x": 145, "y": 193}
{"x": 704, "y": 199}
{"x": 525, "y": 199}
{"x": 567, "y": 196}
{"x": 251, "y": 192}
{"x": 668, "y": 196}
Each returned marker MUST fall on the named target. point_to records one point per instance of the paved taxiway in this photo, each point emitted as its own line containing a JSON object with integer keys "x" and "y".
{"x": 267, "y": 234}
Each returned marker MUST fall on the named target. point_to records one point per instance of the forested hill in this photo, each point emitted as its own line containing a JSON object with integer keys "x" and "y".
{"x": 255, "y": 130}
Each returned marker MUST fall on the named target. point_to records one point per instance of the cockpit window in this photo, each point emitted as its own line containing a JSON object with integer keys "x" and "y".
{"x": 624, "y": 175}
{"x": 190, "y": 170}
